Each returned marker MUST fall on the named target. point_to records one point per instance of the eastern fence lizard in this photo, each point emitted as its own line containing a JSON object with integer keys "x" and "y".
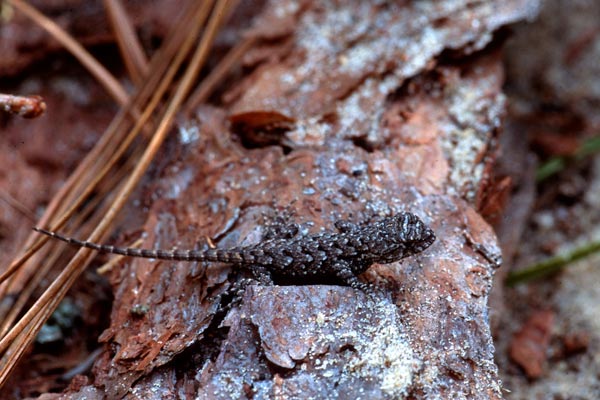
{"x": 344, "y": 254}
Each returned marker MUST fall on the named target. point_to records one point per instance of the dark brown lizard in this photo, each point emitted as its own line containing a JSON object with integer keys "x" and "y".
{"x": 344, "y": 254}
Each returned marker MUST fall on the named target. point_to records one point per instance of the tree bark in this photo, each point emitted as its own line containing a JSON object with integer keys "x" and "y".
{"x": 352, "y": 110}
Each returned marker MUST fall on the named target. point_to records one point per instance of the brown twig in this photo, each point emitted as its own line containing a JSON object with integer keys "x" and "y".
{"x": 24, "y": 106}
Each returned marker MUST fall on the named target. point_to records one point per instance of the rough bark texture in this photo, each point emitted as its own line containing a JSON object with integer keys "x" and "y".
{"x": 357, "y": 110}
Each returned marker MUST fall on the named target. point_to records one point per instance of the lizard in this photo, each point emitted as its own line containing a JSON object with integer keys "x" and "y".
{"x": 343, "y": 254}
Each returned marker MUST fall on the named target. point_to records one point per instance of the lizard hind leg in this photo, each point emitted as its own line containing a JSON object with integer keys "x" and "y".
{"x": 236, "y": 291}
{"x": 279, "y": 230}
{"x": 262, "y": 275}
{"x": 280, "y": 226}
{"x": 345, "y": 226}
{"x": 232, "y": 297}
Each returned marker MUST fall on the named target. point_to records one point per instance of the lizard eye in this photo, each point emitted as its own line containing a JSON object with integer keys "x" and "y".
{"x": 415, "y": 232}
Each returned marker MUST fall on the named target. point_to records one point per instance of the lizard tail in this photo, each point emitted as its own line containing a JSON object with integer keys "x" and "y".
{"x": 175, "y": 255}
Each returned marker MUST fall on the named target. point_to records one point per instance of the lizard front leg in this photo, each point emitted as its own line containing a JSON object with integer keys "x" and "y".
{"x": 343, "y": 271}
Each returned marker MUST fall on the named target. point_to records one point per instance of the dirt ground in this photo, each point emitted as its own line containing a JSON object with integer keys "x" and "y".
{"x": 547, "y": 336}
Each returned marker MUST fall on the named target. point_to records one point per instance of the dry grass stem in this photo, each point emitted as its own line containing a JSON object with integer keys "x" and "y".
{"x": 216, "y": 76}
{"x": 91, "y": 174}
{"x": 131, "y": 49}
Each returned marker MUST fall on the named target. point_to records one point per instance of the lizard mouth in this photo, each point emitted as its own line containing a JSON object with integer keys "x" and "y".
{"x": 426, "y": 240}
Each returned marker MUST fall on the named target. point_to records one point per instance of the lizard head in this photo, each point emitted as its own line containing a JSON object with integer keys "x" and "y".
{"x": 405, "y": 235}
{"x": 416, "y": 233}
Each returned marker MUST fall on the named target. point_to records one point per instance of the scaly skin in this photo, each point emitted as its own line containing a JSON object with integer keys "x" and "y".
{"x": 344, "y": 254}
